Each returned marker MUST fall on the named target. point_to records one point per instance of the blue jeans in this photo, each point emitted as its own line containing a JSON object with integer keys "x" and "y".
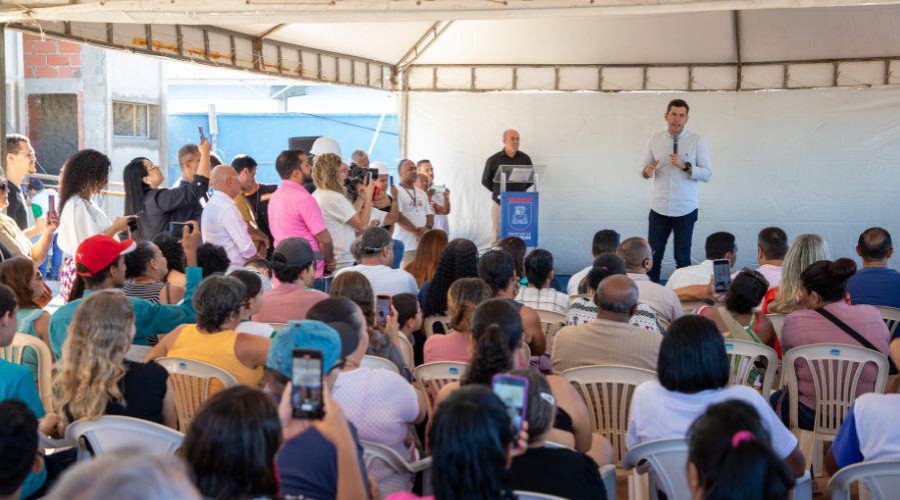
{"x": 399, "y": 248}
{"x": 54, "y": 258}
{"x": 660, "y": 228}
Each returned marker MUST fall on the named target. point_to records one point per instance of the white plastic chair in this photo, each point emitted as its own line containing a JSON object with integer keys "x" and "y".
{"x": 429, "y": 322}
{"x": 607, "y": 392}
{"x": 551, "y": 322}
{"x": 742, "y": 355}
{"x": 277, "y": 326}
{"x": 573, "y": 298}
{"x": 14, "y": 353}
{"x": 137, "y": 353}
{"x": 406, "y": 350}
{"x": 665, "y": 460}
{"x": 802, "y": 488}
{"x": 190, "y": 381}
{"x": 881, "y": 478}
{"x": 891, "y": 317}
{"x": 533, "y": 495}
{"x": 376, "y": 451}
{"x": 111, "y": 432}
{"x": 431, "y": 377}
{"x": 777, "y": 323}
{"x": 378, "y": 363}
{"x": 836, "y": 370}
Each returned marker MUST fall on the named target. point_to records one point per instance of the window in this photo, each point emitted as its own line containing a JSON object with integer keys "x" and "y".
{"x": 135, "y": 120}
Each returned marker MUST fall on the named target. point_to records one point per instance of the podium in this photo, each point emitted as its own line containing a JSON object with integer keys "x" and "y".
{"x": 518, "y": 207}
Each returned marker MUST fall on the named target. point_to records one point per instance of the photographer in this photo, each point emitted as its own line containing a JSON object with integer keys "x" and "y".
{"x": 342, "y": 220}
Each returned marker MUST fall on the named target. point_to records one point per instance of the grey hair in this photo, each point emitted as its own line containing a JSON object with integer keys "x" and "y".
{"x": 541, "y": 410}
{"x": 371, "y": 242}
{"x": 622, "y": 307}
{"x": 127, "y": 473}
{"x": 357, "y": 155}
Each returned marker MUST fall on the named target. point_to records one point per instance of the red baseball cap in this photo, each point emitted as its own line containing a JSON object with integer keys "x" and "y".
{"x": 98, "y": 252}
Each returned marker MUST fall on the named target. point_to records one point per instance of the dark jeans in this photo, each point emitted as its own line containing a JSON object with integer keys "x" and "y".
{"x": 399, "y": 248}
{"x": 660, "y": 228}
{"x": 806, "y": 416}
{"x": 54, "y": 259}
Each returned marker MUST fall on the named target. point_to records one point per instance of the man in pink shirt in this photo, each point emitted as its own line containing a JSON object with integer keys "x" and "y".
{"x": 293, "y": 212}
{"x": 293, "y": 265}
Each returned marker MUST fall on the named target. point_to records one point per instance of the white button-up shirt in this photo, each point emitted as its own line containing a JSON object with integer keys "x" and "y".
{"x": 675, "y": 191}
{"x": 223, "y": 225}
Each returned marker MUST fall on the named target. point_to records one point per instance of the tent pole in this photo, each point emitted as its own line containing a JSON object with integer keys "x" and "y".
{"x": 404, "y": 122}
{"x": 4, "y": 109}
{"x": 736, "y": 17}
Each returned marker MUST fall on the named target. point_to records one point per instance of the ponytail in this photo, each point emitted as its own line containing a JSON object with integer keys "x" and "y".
{"x": 492, "y": 356}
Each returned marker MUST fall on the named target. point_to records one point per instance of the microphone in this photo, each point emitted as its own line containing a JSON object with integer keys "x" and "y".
{"x": 675, "y": 145}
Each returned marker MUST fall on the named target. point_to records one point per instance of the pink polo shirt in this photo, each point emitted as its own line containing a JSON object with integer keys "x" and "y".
{"x": 293, "y": 212}
{"x": 287, "y": 302}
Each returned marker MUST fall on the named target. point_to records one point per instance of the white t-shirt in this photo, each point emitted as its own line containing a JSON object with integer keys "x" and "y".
{"x": 80, "y": 219}
{"x": 698, "y": 274}
{"x": 385, "y": 280}
{"x": 876, "y": 426}
{"x": 336, "y": 211}
{"x": 255, "y": 328}
{"x": 441, "y": 222}
{"x": 657, "y": 413}
{"x": 415, "y": 207}
{"x": 575, "y": 280}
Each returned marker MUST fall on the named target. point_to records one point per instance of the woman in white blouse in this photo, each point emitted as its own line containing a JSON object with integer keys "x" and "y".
{"x": 343, "y": 221}
{"x": 84, "y": 175}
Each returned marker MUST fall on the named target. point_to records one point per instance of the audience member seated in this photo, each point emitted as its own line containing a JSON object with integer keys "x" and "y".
{"x": 605, "y": 241}
{"x": 320, "y": 458}
{"x": 692, "y": 282}
{"x": 15, "y": 241}
{"x": 341, "y": 218}
{"x": 374, "y": 250}
{"x": 22, "y": 276}
{"x": 826, "y": 318}
{"x": 584, "y": 310}
{"x": 737, "y": 317}
{"x": 173, "y": 252}
{"x": 638, "y": 259}
{"x": 868, "y": 433}
{"x": 382, "y": 338}
{"x": 496, "y": 336}
{"x": 516, "y": 248}
{"x": 294, "y": 266}
{"x": 253, "y": 300}
{"x": 609, "y": 339}
{"x": 805, "y": 250}
{"x": 380, "y": 403}
{"x": 213, "y": 339}
{"x": 213, "y": 259}
{"x": 21, "y": 463}
{"x": 145, "y": 270}
{"x": 464, "y": 296}
{"x": 95, "y": 379}
{"x": 127, "y": 473}
{"x": 548, "y": 468}
{"x": 497, "y": 269}
{"x": 693, "y": 374}
{"x": 771, "y": 247}
{"x": 730, "y": 456}
{"x": 876, "y": 283}
{"x": 409, "y": 315}
{"x": 428, "y": 254}
{"x": 458, "y": 260}
{"x": 538, "y": 294}
{"x": 101, "y": 265}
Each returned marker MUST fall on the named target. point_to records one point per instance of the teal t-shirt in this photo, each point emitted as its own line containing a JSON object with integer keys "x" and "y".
{"x": 16, "y": 382}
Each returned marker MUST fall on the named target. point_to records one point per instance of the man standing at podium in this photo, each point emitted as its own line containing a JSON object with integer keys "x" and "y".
{"x": 677, "y": 159}
{"x": 509, "y": 155}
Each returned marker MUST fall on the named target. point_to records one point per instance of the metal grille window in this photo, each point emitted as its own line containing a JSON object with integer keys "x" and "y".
{"x": 132, "y": 119}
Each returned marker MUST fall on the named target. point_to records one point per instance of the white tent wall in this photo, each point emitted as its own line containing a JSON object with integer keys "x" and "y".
{"x": 810, "y": 161}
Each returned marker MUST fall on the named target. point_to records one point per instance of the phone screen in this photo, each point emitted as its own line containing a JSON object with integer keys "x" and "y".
{"x": 513, "y": 391}
{"x": 51, "y": 204}
{"x": 202, "y": 136}
{"x": 176, "y": 228}
{"x": 721, "y": 275}
{"x": 382, "y": 309}
{"x": 439, "y": 188}
{"x": 390, "y": 181}
{"x": 306, "y": 377}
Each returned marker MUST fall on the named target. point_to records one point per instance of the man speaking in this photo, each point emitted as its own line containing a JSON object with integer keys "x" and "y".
{"x": 509, "y": 155}
{"x": 677, "y": 159}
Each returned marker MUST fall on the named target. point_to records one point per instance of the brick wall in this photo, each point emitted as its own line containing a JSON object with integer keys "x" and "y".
{"x": 50, "y": 58}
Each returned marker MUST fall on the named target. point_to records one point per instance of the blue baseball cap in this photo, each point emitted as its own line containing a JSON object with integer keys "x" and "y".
{"x": 305, "y": 334}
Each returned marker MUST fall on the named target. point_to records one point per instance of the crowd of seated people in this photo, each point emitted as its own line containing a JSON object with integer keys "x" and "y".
{"x": 299, "y": 271}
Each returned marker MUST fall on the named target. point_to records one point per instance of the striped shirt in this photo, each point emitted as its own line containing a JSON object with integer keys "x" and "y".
{"x": 544, "y": 299}
{"x": 146, "y": 291}
{"x": 583, "y": 310}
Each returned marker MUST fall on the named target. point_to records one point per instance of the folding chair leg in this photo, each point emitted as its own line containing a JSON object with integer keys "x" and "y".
{"x": 638, "y": 486}
{"x": 807, "y": 445}
{"x": 818, "y": 458}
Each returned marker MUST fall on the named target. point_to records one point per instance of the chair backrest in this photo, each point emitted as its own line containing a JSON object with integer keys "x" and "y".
{"x": 573, "y": 298}
{"x": 607, "y": 391}
{"x": 429, "y": 322}
{"x": 406, "y": 350}
{"x": 137, "y": 353}
{"x": 111, "y": 432}
{"x": 691, "y": 306}
{"x": 14, "y": 353}
{"x": 431, "y": 377}
{"x": 191, "y": 382}
{"x": 667, "y": 459}
{"x": 378, "y": 363}
{"x": 891, "y": 317}
{"x": 777, "y": 321}
{"x": 881, "y": 477}
{"x": 533, "y": 495}
{"x": 277, "y": 326}
{"x": 742, "y": 357}
{"x": 372, "y": 451}
{"x": 836, "y": 370}
{"x": 551, "y": 322}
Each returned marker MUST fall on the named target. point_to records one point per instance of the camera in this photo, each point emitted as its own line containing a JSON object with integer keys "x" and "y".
{"x": 357, "y": 178}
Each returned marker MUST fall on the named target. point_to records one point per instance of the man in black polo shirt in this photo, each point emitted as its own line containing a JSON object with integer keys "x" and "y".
{"x": 20, "y": 162}
{"x": 509, "y": 155}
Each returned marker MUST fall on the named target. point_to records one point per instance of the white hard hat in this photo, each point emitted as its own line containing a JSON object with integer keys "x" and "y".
{"x": 382, "y": 168}
{"x": 325, "y": 145}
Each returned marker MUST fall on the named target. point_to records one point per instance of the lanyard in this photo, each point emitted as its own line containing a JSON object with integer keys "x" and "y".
{"x": 411, "y": 195}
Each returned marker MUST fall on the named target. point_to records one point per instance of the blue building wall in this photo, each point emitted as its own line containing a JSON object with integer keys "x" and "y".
{"x": 263, "y": 136}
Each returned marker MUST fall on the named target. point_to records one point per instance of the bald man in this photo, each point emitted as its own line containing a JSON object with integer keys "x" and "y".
{"x": 509, "y": 155}
{"x": 638, "y": 259}
{"x": 609, "y": 339}
{"x": 222, "y": 223}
